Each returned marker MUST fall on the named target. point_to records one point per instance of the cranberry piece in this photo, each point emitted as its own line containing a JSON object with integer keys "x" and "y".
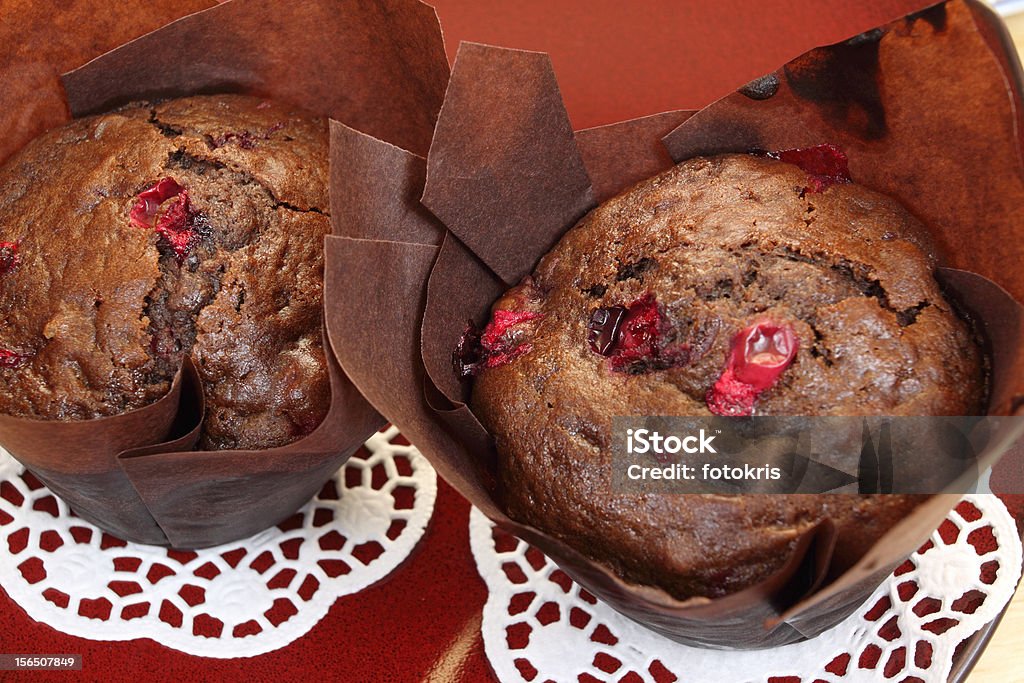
{"x": 9, "y": 258}
{"x": 175, "y": 220}
{"x": 503, "y": 355}
{"x": 149, "y": 201}
{"x": 11, "y": 359}
{"x": 639, "y": 333}
{"x": 633, "y": 337}
{"x": 499, "y": 343}
{"x": 825, "y": 165}
{"x": 759, "y": 354}
{"x": 502, "y": 324}
{"x": 176, "y": 225}
{"x": 603, "y": 329}
{"x": 731, "y": 397}
{"x": 468, "y": 356}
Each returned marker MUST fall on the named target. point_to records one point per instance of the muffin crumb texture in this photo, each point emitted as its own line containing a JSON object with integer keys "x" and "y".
{"x": 192, "y": 226}
{"x": 729, "y": 285}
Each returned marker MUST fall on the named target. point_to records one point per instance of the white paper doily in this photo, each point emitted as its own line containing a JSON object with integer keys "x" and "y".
{"x": 538, "y": 625}
{"x": 236, "y": 600}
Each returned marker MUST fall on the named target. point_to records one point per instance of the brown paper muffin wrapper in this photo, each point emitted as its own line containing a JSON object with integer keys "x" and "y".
{"x": 423, "y": 245}
{"x": 377, "y": 66}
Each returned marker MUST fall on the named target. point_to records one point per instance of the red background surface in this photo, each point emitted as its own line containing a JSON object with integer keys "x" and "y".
{"x": 614, "y": 60}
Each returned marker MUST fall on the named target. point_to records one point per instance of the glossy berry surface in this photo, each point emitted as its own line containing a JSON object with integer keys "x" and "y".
{"x": 603, "y": 329}
{"x": 633, "y": 337}
{"x": 761, "y": 352}
{"x": 165, "y": 207}
{"x": 150, "y": 200}
{"x": 758, "y": 356}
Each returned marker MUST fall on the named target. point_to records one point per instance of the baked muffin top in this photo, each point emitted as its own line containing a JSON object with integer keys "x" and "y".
{"x": 191, "y": 226}
{"x": 663, "y": 301}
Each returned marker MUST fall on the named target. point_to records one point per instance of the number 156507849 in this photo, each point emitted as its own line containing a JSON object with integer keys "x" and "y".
{"x": 26, "y": 662}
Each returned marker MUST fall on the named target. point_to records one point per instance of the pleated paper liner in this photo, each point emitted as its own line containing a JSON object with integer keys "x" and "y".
{"x": 506, "y": 177}
{"x": 377, "y": 66}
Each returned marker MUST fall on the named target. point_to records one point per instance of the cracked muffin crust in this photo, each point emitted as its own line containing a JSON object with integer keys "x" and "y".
{"x": 192, "y": 226}
{"x": 736, "y": 273}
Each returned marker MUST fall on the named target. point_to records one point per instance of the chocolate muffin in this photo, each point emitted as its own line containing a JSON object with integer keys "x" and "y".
{"x": 730, "y": 285}
{"x": 188, "y": 227}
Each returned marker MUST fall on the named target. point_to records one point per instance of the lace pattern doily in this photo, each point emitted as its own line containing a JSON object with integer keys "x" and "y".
{"x": 236, "y": 600}
{"x": 538, "y": 625}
